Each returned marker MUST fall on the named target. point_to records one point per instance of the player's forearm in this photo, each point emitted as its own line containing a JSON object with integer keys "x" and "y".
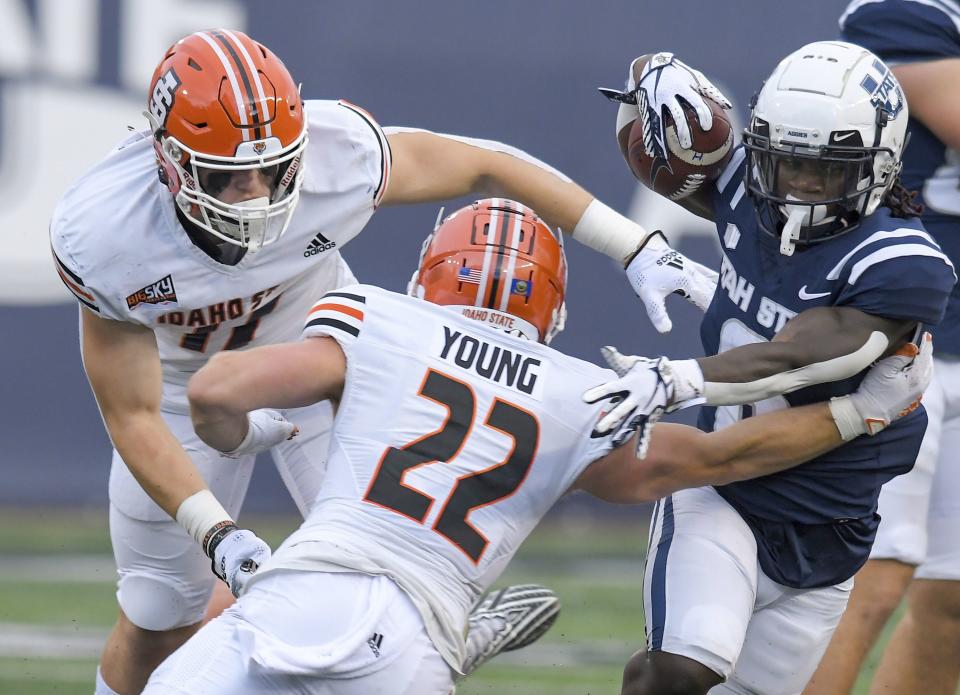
{"x": 769, "y": 443}
{"x": 155, "y": 458}
{"x": 755, "y": 372}
{"x": 751, "y": 362}
{"x": 560, "y": 202}
{"x": 684, "y": 457}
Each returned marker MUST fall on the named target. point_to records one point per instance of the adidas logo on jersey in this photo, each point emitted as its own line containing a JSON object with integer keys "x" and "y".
{"x": 374, "y": 644}
{"x": 319, "y": 244}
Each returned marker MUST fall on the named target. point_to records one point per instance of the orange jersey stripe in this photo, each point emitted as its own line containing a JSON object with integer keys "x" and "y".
{"x": 74, "y": 287}
{"x": 343, "y": 309}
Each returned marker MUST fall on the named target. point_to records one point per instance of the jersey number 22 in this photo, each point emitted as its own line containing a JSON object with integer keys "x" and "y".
{"x": 471, "y": 491}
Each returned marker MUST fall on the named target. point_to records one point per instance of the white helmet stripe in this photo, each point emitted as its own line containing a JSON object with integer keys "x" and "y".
{"x": 261, "y": 96}
{"x": 231, "y": 74}
{"x": 488, "y": 253}
{"x": 512, "y": 260}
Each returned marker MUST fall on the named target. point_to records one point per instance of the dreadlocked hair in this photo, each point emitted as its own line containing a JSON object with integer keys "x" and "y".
{"x": 901, "y": 201}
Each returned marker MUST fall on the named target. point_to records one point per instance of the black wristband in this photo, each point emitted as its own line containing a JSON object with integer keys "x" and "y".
{"x": 640, "y": 248}
{"x": 216, "y": 534}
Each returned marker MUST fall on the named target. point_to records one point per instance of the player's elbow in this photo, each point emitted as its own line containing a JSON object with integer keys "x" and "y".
{"x": 209, "y": 389}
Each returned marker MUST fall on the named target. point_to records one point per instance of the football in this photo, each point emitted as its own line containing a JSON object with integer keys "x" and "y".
{"x": 683, "y": 171}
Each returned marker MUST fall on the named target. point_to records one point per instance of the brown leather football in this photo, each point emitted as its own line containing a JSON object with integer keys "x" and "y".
{"x": 683, "y": 171}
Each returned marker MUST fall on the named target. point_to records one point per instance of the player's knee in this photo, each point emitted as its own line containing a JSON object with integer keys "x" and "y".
{"x": 937, "y": 602}
{"x": 155, "y": 604}
{"x": 660, "y": 673}
{"x": 878, "y": 602}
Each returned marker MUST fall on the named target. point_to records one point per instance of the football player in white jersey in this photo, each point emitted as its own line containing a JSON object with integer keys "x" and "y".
{"x": 214, "y": 230}
{"x": 457, "y": 428}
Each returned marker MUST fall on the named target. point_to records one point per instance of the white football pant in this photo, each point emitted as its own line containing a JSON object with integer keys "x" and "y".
{"x": 706, "y": 598}
{"x": 316, "y": 633}
{"x": 165, "y": 579}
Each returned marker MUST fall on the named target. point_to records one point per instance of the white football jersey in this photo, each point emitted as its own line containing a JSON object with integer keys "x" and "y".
{"x": 451, "y": 441}
{"x": 120, "y": 249}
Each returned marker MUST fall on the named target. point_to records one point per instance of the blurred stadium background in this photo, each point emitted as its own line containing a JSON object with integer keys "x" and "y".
{"x": 73, "y": 75}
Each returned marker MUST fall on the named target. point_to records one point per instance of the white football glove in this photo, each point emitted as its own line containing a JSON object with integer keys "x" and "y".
{"x": 663, "y": 83}
{"x": 236, "y": 554}
{"x": 266, "y": 428}
{"x": 639, "y": 397}
{"x": 891, "y": 389}
{"x": 658, "y": 270}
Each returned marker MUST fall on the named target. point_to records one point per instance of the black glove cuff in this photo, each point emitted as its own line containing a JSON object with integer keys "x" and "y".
{"x": 215, "y": 535}
{"x": 640, "y": 248}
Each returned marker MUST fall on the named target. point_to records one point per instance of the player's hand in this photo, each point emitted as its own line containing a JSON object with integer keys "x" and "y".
{"x": 891, "y": 389}
{"x": 236, "y": 556}
{"x": 658, "y": 270}
{"x": 639, "y": 396}
{"x": 664, "y": 82}
{"x": 266, "y": 428}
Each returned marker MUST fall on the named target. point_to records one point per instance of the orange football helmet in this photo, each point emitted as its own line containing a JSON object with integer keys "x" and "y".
{"x": 221, "y": 103}
{"x": 497, "y": 262}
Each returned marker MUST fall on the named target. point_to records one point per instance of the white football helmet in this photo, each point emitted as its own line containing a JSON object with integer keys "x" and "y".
{"x": 826, "y": 134}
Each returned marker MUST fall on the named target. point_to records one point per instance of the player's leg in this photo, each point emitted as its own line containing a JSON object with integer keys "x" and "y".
{"x": 880, "y": 586}
{"x": 899, "y": 547}
{"x": 699, "y": 592}
{"x": 210, "y": 662}
{"x": 165, "y": 580}
{"x": 302, "y": 461}
{"x": 788, "y": 634}
{"x": 921, "y": 655}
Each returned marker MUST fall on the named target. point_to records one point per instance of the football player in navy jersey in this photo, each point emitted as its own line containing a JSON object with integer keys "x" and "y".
{"x": 918, "y": 542}
{"x": 825, "y": 268}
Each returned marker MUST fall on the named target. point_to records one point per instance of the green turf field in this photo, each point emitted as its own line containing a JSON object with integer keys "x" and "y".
{"x": 56, "y": 604}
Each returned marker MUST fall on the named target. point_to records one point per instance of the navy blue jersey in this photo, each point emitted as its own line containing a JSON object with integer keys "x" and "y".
{"x": 909, "y": 31}
{"x": 815, "y": 523}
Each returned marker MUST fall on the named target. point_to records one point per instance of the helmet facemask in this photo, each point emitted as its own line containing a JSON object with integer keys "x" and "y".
{"x": 806, "y": 195}
{"x": 252, "y": 223}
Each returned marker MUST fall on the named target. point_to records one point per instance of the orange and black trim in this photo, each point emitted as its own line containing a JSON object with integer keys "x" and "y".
{"x": 341, "y": 311}
{"x": 75, "y": 284}
{"x": 503, "y": 225}
{"x": 386, "y": 157}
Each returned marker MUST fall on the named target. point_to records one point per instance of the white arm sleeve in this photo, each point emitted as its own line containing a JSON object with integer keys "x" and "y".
{"x": 487, "y": 145}
{"x": 835, "y": 369}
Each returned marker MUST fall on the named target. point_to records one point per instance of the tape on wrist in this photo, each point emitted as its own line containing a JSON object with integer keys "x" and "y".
{"x": 202, "y": 515}
{"x": 848, "y": 420}
{"x": 604, "y": 229}
{"x": 688, "y": 383}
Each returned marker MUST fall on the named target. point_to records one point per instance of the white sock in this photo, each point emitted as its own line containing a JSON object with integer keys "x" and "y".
{"x": 102, "y": 687}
